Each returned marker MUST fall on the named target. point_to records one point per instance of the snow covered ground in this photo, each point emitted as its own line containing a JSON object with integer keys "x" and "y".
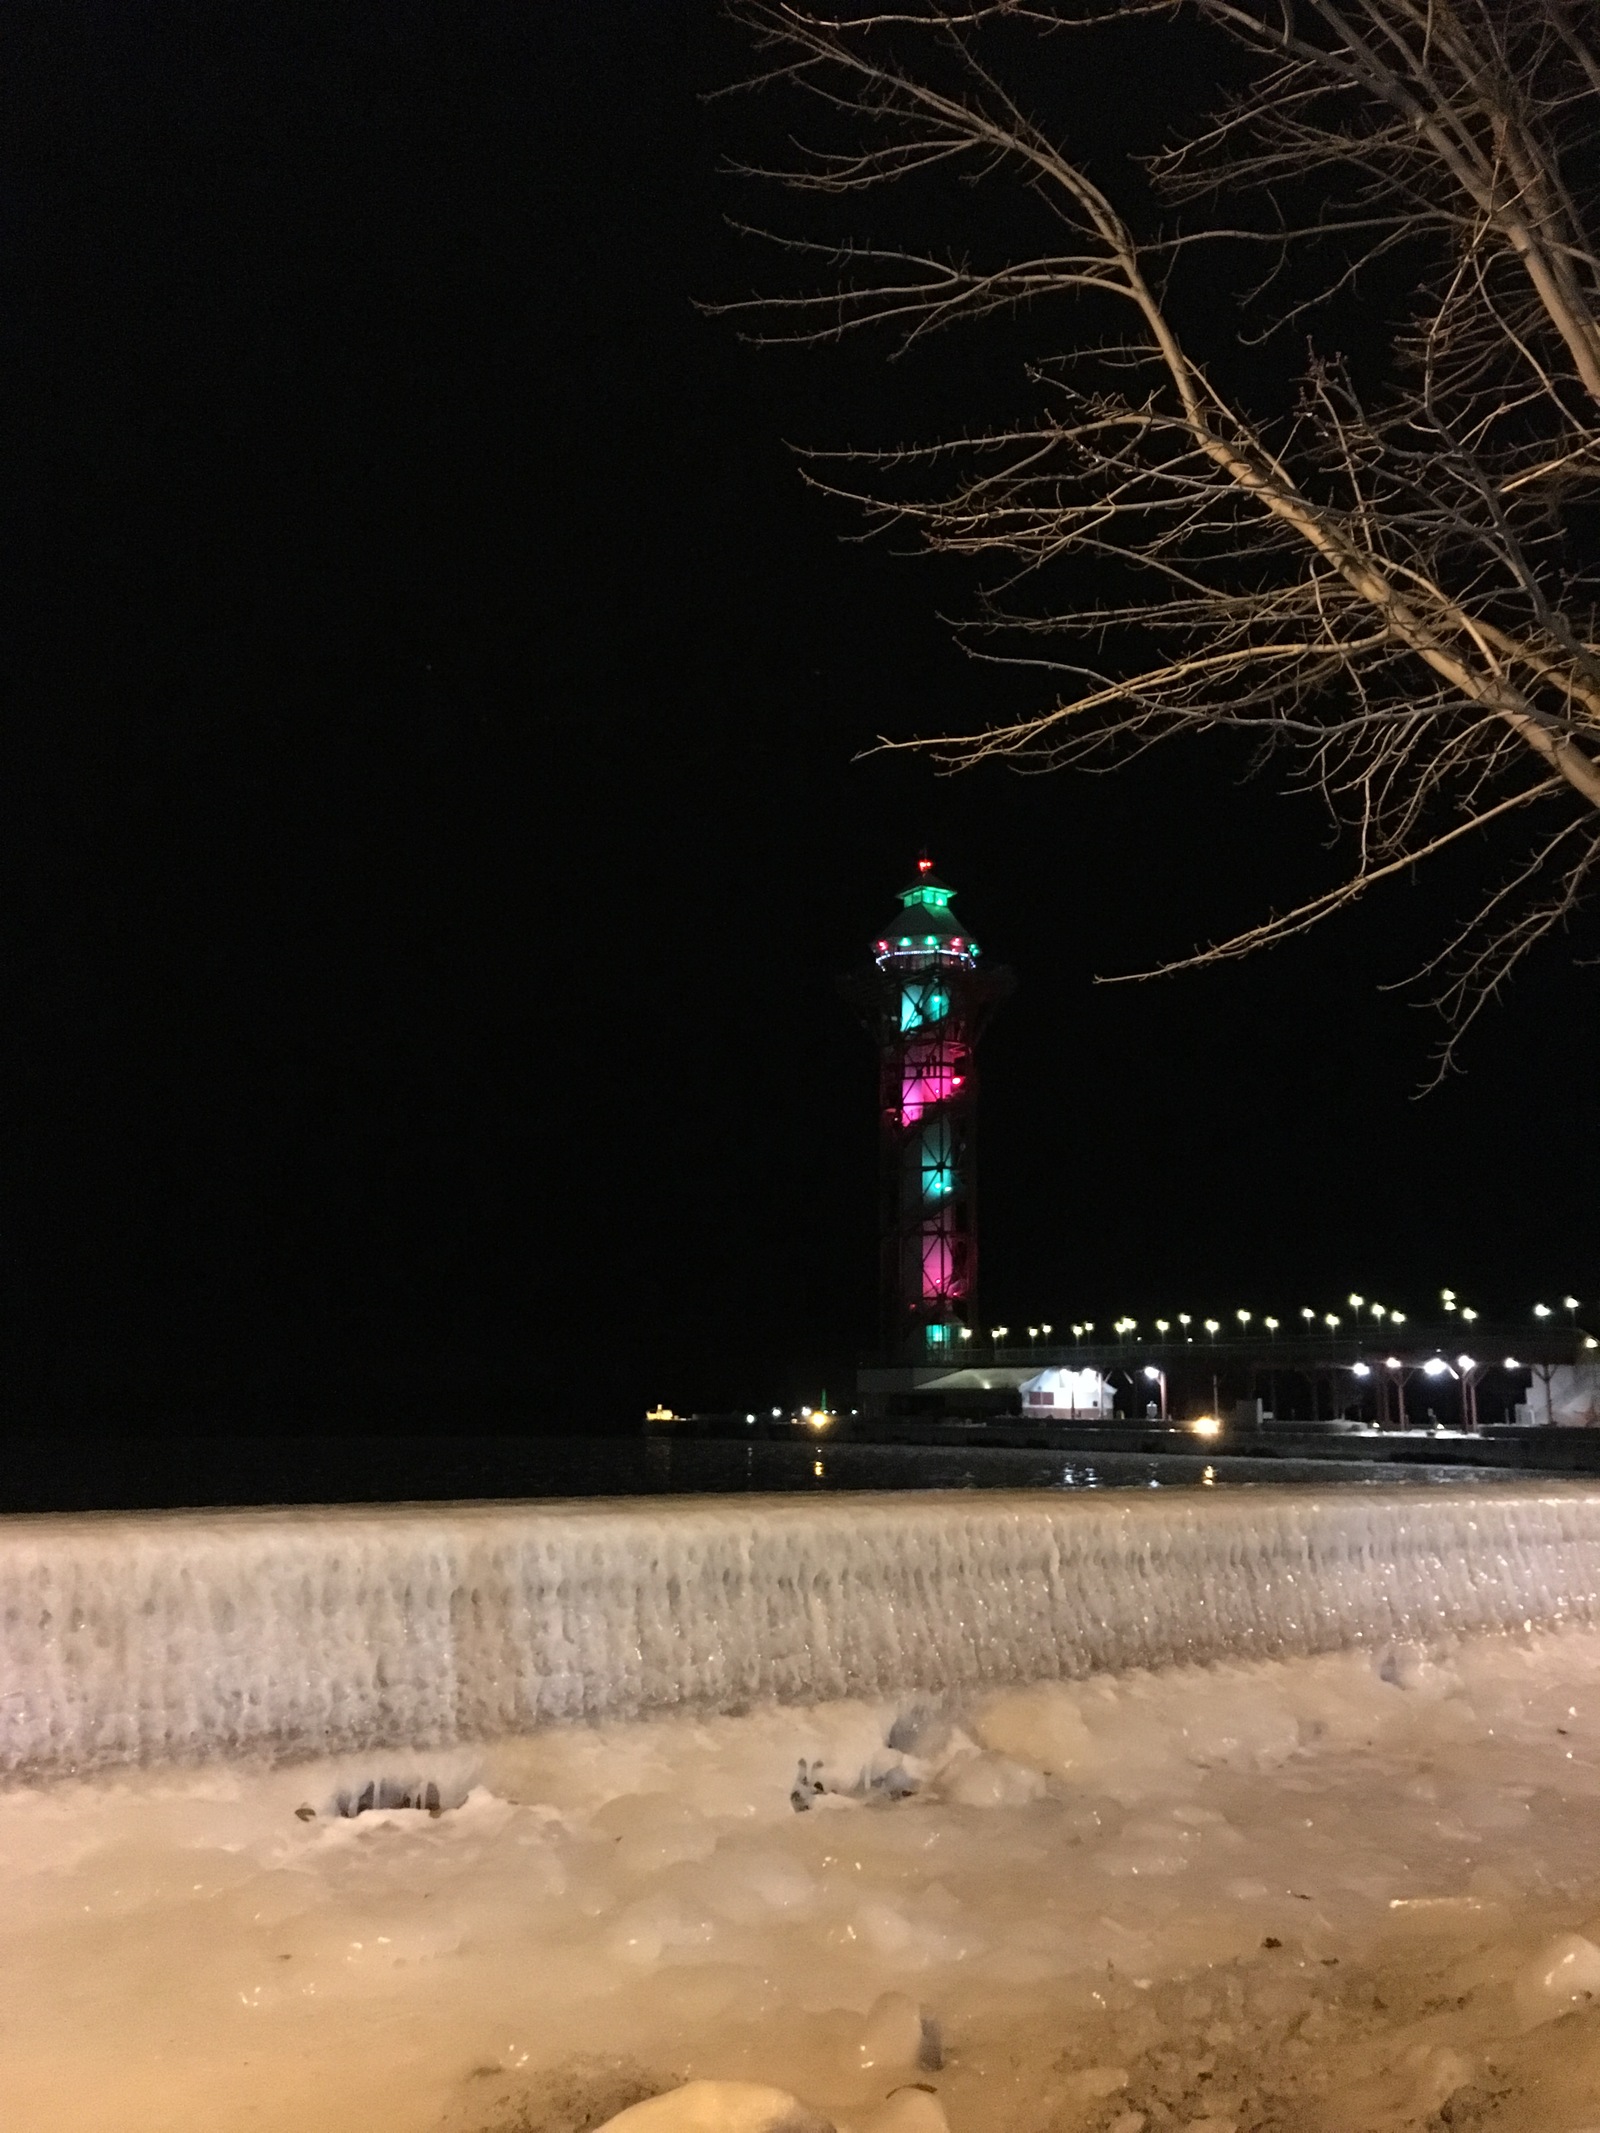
{"x": 1316, "y": 1892}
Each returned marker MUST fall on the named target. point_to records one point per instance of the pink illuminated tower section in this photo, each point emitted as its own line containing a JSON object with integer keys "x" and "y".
{"x": 926, "y": 1001}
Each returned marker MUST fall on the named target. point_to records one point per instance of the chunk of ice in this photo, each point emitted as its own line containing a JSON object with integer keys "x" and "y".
{"x": 719, "y": 2107}
{"x": 991, "y": 1781}
{"x": 1565, "y": 1973}
{"x": 897, "y": 2036}
{"x": 908, "y": 2110}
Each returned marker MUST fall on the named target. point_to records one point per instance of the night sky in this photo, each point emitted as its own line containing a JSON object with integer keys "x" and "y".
{"x": 432, "y": 817}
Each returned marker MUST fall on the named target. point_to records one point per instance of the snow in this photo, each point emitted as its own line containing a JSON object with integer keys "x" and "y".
{"x": 1318, "y": 1890}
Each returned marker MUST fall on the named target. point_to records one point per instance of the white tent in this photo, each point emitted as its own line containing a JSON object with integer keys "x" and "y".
{"x": 1067, "y": 1392}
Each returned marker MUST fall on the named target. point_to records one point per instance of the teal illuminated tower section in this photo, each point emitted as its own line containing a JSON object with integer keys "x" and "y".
{"x": 926, "y": 1001}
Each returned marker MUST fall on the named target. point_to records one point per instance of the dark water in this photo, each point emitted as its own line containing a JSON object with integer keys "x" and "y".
{"x": 49, "y": 1474}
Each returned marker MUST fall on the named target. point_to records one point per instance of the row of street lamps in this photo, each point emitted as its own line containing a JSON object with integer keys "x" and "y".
{"x": 1379, "y": 1315}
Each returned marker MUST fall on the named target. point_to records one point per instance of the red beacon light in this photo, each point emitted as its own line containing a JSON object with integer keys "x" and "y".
{"x": 924, "y": 864}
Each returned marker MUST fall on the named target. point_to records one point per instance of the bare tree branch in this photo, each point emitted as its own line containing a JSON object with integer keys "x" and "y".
{"x": 1394, "y": 585}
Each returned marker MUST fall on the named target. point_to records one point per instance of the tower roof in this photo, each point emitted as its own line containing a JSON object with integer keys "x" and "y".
{"x": 926, "y": 918}
{"x": 926, "y": 887}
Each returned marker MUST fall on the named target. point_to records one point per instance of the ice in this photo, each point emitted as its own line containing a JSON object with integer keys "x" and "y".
{"x": 1395, "y": 1914}
{"x": 1342, "y": 1878}
{"x": 908, "y": 2110}
{"x": 185, "y": 1635}
{"x": 719, "y": 2107}
{"x": 1564, "y": 1974}
{"x": 979, "y": 1780}
{"x": 897, "y": 2035}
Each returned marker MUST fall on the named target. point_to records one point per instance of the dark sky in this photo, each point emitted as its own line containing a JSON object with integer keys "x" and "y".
{"x": 432, "y": 826}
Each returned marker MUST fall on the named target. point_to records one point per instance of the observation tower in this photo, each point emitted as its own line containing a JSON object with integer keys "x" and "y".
{"x": 926, "y": 1002}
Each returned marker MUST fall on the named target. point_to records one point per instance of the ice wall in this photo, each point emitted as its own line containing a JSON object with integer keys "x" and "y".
{"x": 188, "y": 1634}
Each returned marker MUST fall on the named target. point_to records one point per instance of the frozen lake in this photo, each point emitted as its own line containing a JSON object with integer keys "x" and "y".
{"x": 146, "y": 1472}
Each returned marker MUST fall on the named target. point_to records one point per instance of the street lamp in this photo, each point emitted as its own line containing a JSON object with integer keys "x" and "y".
{"x": 1163, "y": 1325}
{"x": 1046, "y": 1330}
{"x": 1467, "y": 1365}
{"x": 1541, "y": 1310}
{"x": 1212, "y": 1327}
{"x": 1185, "y": 1321}
{"x": 1243, "y": 1317}
{"x": 1393, "y": 1363}
{"x": 1332, "y": 1320}
{"x": 1397, "y": 1318}
{"x": 1158, "y": 1378}
{"x": 1308, "y": 1315}
{"x": 1271, "y": 1324}
{"x": 1468, "y": 1314}
{"x": 1355, "y": 1302}
{"x": 1569, "y": 1304}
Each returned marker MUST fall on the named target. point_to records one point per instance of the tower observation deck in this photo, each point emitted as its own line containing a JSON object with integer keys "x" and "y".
{"x": 926, "y": 1002}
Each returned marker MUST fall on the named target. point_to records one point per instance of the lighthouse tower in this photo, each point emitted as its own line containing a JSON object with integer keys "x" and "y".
{"x": 926, "y": 1001}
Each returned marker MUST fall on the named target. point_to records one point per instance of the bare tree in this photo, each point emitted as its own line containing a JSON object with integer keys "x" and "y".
{"x": 1392, "y": 580}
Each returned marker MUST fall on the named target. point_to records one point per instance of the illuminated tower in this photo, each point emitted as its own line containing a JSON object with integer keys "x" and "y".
{"x": 926, "y": 1002}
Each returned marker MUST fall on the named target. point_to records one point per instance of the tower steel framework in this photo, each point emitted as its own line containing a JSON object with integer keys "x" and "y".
{"x": 926, "y": 1002}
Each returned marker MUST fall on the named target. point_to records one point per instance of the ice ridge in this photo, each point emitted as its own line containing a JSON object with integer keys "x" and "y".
{"x": 184, "y": 1635}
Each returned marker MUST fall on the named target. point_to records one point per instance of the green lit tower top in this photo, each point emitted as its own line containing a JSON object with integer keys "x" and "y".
{"x": 926, "y": 1001}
